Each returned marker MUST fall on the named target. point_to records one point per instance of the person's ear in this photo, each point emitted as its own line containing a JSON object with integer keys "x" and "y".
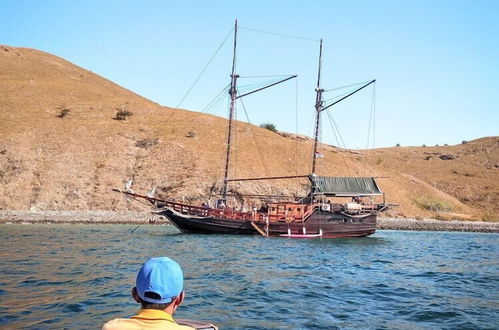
{"x": 178, "y": 300}
{"x": 181, "y": 297}
{"x": 135, "y": 295}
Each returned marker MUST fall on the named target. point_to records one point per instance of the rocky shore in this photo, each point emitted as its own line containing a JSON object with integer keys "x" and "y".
{"x": 437, "y": 225}
{"x": 87, "y": 217}
{"x": 146, "y": 217}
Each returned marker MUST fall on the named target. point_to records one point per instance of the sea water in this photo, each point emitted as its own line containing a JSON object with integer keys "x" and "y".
{"x": 80, "y": 276}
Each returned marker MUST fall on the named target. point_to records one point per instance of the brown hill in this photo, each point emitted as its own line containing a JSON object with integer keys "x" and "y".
{"x": 62, "y": 147}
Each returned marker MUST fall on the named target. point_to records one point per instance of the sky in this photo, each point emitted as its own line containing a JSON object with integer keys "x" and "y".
{"x": 436, "y": 63}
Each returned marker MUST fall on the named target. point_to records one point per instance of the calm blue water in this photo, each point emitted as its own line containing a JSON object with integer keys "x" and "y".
{"x": 79, "y": 276}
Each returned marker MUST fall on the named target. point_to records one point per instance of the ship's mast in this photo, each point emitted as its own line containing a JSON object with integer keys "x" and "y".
{"x": 318, "y": 109}
{"x": 233, "y": 97}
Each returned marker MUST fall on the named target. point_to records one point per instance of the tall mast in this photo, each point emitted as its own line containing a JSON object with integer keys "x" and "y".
{"x": 233, "y": 96}
{"x": 318, "y": 109}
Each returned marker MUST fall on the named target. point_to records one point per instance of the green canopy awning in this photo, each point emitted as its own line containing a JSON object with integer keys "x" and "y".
{"x": 344, "y": 186}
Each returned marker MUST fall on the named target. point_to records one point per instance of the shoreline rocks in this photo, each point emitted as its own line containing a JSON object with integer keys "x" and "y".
{"x": 437, "y": 225}
{"x": 147, "y": 217}
{"x": 85, "y": 217}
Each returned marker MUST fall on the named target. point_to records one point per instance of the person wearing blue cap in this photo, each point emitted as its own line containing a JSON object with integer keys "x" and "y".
{"x": 159, "y": 291}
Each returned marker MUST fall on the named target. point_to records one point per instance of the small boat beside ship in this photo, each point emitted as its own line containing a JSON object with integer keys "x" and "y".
{"x": 334, "y": 206}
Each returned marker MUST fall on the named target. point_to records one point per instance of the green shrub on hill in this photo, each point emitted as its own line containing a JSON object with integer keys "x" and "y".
{"x": 433, "y": 204}
{"x": 269, "y": 126}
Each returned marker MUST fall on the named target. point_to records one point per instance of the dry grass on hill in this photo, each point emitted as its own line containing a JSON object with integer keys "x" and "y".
{"x": 67, "y": 136}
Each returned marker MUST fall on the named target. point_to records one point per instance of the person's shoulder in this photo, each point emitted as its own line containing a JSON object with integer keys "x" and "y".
{"x": 128, "y": 324}
{"x": 115, "y": 324}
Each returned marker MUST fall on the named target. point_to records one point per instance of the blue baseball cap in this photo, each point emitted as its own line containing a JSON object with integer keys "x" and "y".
{"x": 162, "y": 277}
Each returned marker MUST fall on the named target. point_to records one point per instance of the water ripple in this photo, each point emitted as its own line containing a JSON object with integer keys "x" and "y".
{"x": 81, "y": 276}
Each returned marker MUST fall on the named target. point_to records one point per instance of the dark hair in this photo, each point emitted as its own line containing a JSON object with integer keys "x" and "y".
{"x": 154, "y": 295}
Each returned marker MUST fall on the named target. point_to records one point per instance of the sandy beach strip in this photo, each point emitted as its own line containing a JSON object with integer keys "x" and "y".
{"x": 147, "y": 217}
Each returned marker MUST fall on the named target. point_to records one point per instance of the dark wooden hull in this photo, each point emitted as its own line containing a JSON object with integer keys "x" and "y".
{"x": 318, "y": 224}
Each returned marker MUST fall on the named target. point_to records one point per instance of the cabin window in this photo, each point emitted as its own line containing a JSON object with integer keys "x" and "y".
{"x": 290, "y": 209}
{"x": 298, "y": 209}
{"x": 280, "y": 209}
{"x": 273, "y": 208}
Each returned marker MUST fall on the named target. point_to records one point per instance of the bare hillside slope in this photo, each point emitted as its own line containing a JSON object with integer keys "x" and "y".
{"x": 62, "y": 147}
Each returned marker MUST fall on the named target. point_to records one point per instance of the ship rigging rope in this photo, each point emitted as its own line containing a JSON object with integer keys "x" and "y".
{"x": 337, "y": 131}
{"x": 271, "y": 76}
{"x": 278, "y": 34}
{"x": 129, "y": 198}
{"x": 215, "y": 102}
{"x": 372, "y": 119}
{"x": 243, "y": 89}
{"x": 205, "y": 67}
{"x": 346, "y": 86}
{"x": 337, "y": 134}
{"x": 334, "y": 98}
{"x": 260, "y": 154}
{"x": 337, "y": 97}
{"x": 372, "y": 123}
{"x": 235, "y": 139}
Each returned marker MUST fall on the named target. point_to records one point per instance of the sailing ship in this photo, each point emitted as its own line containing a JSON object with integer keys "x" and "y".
{"x": 334, "y": 207}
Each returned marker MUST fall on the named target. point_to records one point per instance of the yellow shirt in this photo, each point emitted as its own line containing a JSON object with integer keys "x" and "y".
{"x": 146, "y": 319}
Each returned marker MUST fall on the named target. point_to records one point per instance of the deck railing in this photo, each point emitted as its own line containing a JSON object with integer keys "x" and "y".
{"x": 255, "y": 216}
{"x": 232, "y": 213}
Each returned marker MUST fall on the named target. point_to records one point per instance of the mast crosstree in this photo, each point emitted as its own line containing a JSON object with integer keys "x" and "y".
{"x": 319, "y": 107}
{"x": 233, "y": 97}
